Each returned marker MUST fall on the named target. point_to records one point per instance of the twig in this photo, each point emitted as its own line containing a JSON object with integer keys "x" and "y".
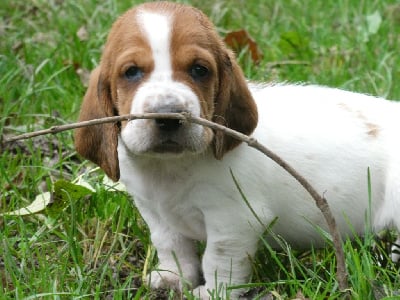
{"x": 320, "y": 201}
{"x": 60, "y": 128}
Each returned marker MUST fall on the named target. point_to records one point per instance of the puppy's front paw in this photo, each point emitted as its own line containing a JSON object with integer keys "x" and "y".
{"x": 163, "y": 280}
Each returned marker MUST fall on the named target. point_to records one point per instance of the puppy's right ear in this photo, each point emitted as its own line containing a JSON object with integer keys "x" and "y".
{"x": 98, "y": 143}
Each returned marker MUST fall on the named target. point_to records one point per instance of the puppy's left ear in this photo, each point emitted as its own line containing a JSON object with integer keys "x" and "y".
{"x": 234, "y": 105}
{"x": 98, "y": 143}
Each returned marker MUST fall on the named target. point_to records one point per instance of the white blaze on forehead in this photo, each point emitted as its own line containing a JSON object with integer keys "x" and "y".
{"x": 161, "y": 91}
{"x": 157, "y": 30}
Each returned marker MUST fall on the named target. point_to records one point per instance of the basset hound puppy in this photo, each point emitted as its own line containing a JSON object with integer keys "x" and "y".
{"x": 165, "y": 57}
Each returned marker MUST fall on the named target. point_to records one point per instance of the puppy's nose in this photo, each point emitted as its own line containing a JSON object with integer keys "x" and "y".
{"x": 169, "y": 124}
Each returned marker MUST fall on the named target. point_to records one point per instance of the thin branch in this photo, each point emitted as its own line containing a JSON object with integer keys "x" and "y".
{"x": 60, "y": 128}
{"x": 320, "y": 201}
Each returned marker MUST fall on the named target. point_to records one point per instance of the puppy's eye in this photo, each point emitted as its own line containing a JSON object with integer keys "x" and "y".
{"x": 198, "y": 72}
{"x": 133, "y": 73}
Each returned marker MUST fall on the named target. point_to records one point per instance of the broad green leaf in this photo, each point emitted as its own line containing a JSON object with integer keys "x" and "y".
{"x": 64, "y": 193}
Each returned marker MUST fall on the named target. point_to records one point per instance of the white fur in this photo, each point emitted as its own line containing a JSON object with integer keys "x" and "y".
{"x": 328, "y": 135}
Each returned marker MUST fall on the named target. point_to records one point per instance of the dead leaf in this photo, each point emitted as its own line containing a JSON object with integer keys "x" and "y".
{"x": 82, "y": 34}
{"x": 300, "y": 296}
{"x": 17, "y": 46}
{"x": 392, "y": 12}
{"x": 40, "y": 203}
{"x": 239, "y": 40}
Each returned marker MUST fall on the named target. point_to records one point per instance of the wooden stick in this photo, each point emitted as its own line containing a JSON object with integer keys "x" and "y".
{"x": 60, "y": 128}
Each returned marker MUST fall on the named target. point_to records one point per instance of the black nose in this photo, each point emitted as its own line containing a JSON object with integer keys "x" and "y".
{"x": 168, "y": 124}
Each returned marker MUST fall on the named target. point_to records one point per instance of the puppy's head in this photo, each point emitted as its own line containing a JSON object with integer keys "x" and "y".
{"x": 163, "y": 57}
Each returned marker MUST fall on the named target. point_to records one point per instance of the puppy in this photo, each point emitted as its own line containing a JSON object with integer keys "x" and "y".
{"x": 165, "y": 57}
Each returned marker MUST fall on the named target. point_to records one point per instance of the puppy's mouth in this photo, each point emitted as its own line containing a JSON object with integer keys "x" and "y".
{"x": 168, "y": 146}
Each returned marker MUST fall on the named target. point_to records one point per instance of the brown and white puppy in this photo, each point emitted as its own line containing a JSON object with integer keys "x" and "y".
{"x": 167, "y": 57}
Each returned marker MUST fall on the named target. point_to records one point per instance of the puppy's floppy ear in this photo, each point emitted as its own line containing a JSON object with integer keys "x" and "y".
{"x": 98, "y": 143}
{"x": 234, "y": 105}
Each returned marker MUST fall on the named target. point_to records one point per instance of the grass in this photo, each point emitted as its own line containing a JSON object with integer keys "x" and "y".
{"x": 95, "y": 247}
